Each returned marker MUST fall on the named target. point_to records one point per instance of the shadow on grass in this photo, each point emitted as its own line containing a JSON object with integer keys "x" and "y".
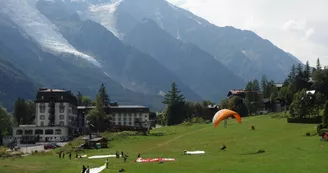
{"x": 254, "y": 153}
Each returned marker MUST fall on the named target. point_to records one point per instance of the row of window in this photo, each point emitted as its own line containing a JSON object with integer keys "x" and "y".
{"x": 39, "y": 132}
{"x": 61, "y": 117}
{"x": 61, "y": 123}
{"x": 129, "y": 115}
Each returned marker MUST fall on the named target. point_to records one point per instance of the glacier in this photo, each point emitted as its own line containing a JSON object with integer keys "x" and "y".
{"x": 104, "y": 14}
{"x": 25, "y": 14}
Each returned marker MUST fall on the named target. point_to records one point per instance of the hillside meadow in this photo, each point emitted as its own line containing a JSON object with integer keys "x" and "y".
{"x": 287, "y": 149}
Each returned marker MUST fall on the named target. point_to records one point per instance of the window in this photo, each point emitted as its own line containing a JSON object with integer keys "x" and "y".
{"x": 39, "y": 132}
{"x": 28, "y": 132}
{"x": 61, "y": 108}
{"x": 61, "y": 117}
{"x": 130, "y": 123}
{"x": 124, "y": 123}
{"x": 62, "y": 97}
{"x": 49, "y": 132}
{"x": 42, "y": 123}
{"x": 119, "y": 123}
{"x": 42, "y": 107}
{"x": 42, "y": 117}
{"x": 19, "y": 132}
{"x": 58, "y": 132}
{"x": 61, "y": 123}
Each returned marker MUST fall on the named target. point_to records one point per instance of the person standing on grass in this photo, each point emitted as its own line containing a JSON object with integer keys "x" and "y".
{"x": 59, "y": 155}
{"x": 106, "y": 163}
{"x": 63, "y": 155}
{"x": 70, "y": 156}
{"x": 83, "y": 169}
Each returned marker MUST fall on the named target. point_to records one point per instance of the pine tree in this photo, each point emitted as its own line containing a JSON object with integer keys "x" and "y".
{"x": 318, "y": 67}
{"x": 264, "y": 83}
{"x": 103, "y": 95}
{"x": 173, "y": 96}
{"x": 307, "y": 71}
{"x": 175, "y": 108}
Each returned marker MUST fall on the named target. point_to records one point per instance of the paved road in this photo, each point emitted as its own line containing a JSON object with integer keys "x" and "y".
{"x": 36, "y": 147}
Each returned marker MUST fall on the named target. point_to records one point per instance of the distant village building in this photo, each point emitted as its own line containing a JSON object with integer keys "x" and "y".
{"x": 123, "y": 117}
{"x": 236, "y": 92}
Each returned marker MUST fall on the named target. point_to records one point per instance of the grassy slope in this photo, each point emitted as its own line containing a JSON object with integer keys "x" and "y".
{"x": 287, "y": 150}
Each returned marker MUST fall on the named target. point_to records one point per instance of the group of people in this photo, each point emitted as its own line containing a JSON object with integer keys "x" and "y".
{"x": 62, "y": 155}
{"x": 122, "y": 154}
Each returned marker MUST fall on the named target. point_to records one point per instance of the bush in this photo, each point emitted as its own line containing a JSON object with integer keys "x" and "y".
{"x": 313, "y": 120}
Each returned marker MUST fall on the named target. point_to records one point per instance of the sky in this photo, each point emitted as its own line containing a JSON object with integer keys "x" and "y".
{"x": 299, "y": 27}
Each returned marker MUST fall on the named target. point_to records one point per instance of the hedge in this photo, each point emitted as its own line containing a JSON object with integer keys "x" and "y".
{"x": 314, "y": 120}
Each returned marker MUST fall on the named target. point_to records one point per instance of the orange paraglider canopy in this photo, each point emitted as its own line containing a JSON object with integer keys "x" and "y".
{"x": 224, "y": 113}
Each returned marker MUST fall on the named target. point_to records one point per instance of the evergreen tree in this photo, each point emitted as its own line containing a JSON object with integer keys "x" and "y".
{"x": 103, "y": 95}
{"x": 264, "y": 84}
{"x": 318, "y": 67}
{"x": 307, "y": 71}
{"x": 19, "y": 111}
{"x": 97, "y": 118}
{"x": 175, "y": 106}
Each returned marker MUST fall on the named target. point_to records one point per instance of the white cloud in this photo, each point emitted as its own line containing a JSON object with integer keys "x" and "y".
{"x": 296, "y": 26}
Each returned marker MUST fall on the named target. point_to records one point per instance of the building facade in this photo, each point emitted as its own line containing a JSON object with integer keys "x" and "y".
{"x": 127, "y": 117}
{"x": 55, "y": 118}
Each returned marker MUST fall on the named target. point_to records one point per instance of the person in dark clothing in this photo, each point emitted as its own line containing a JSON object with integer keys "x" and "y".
{"x": 63, "y": 155}
{"x": 76, "y": 156}
{"x": 139, "y": 155}
{"x": 223, "y": 147}
{"x": 122, "y": 153}
{"x": 124, "y": 158}
{"x": 83, "y": 169}
{"x": 70, "y": 156}
{"x": 59, "y": 154}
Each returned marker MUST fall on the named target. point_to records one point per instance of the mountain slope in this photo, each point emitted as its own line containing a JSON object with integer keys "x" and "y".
{"x": 246, "y": 53}
{"x": 125, "y": 64}
{"x": 14, "y": 84}
{"x": 61, "y": 71}
{"x": 195, "y": 67}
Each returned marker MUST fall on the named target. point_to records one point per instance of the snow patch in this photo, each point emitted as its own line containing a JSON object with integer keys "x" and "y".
{"x": 24, "y": 14}
{"x": 104, "y": 14}
{"x": 106, "y": 74}
{"x": 159, "y": 17}
{"x": 161, "y": 93}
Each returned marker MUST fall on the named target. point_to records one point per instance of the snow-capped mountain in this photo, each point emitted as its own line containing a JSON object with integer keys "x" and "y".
{"x": 77, "y": 44}
{"x": 25, "y": 15}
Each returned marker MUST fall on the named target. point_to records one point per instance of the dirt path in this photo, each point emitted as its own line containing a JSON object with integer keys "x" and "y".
{"x": 175, "y": 138}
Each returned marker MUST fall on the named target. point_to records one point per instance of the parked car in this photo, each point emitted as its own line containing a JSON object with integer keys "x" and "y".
{"x": 49, "y": 146}
{"x": 56, "y": 145}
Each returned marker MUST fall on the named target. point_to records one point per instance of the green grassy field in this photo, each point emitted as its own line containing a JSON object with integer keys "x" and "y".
{"x": 287, "y": 149}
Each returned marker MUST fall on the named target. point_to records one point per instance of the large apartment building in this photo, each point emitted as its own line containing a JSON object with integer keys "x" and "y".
{"x": 55, "y": 119}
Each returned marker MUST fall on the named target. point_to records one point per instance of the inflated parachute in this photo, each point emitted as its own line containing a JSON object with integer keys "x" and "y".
{"x": 223, "y": 114}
